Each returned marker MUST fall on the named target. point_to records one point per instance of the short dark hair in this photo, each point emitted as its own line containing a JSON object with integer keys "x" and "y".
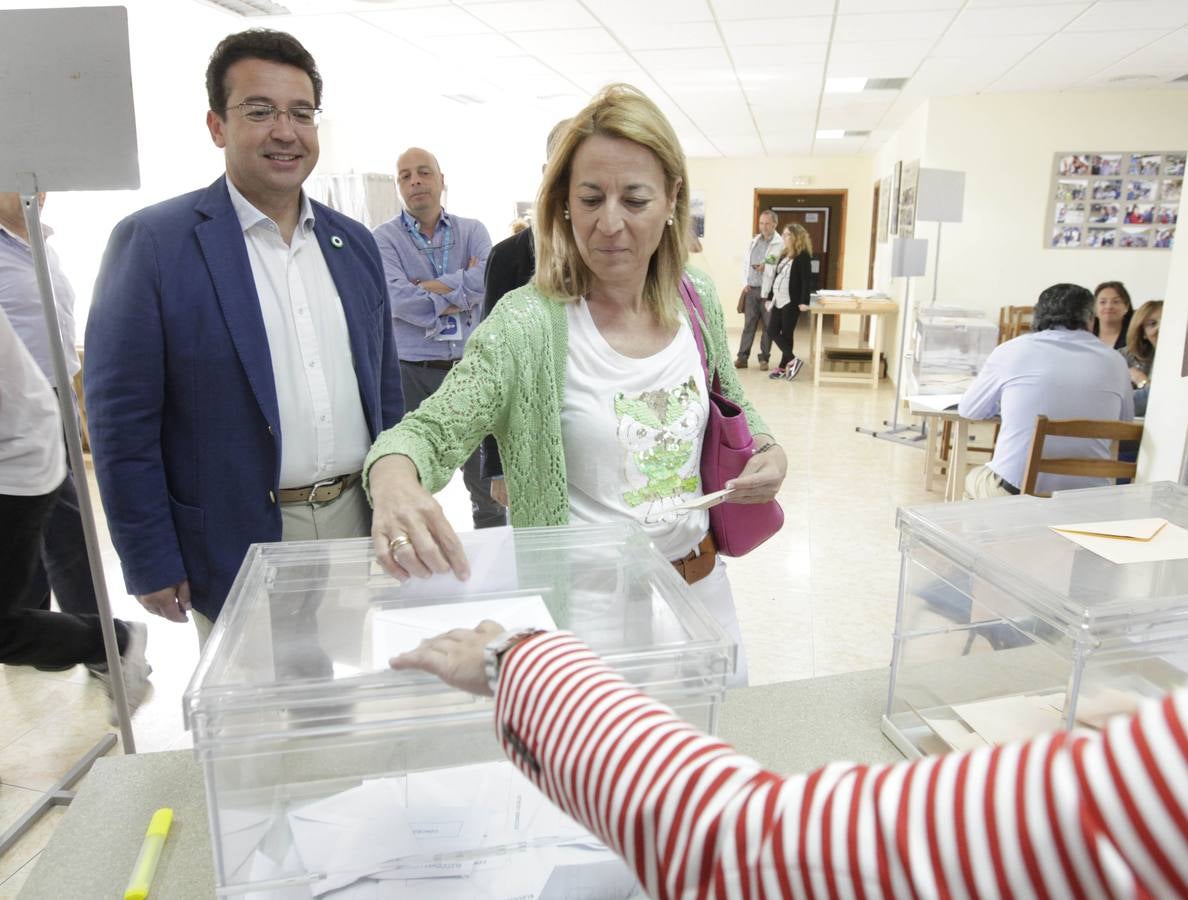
{"x": 1063, "y": 306}
{"x": 256, "y": 43}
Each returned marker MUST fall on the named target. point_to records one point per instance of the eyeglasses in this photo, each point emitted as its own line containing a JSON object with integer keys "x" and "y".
{"x": 260, "y": 113}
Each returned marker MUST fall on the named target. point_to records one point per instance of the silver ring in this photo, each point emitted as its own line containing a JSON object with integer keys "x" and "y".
{"x": 401, "y": 540}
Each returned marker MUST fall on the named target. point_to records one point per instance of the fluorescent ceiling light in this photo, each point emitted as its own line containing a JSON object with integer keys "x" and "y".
{"x": 844, "y": 85}
{"x": 830, "y": 134}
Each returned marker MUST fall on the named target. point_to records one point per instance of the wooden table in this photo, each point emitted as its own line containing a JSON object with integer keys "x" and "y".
{"x": 876, "y": 309}
{"x": 955, "y": 468}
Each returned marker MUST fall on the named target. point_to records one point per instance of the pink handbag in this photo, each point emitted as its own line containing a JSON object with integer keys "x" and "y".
{"x": 738, "y": 528}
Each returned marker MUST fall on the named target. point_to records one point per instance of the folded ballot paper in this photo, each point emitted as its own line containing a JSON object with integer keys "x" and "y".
{"x": 1129, "y": 540}
{"x": 470, "y": 831}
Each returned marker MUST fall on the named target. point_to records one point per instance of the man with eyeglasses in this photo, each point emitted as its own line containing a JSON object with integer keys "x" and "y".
{"x": 435, "y": 263}
{"x": 239, "y": 360}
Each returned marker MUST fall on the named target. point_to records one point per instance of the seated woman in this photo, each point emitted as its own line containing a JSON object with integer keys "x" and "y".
{"x": 590, "y": 377}
{"x": 1140, "y": 351}
{"x": 1112, "y": 311}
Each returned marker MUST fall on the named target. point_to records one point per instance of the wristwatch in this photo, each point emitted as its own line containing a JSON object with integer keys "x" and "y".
{"x": 498, "y": 647}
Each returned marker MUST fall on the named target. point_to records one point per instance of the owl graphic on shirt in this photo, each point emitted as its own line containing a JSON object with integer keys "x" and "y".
{"x": 658, "y": 432}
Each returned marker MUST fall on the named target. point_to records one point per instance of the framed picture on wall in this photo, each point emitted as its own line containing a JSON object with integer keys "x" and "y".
{"x": 1113, "y": 200}
{"x": 893, "y": 196}
{"x": 907, "y": 198}
{"x": 884, "y": 209}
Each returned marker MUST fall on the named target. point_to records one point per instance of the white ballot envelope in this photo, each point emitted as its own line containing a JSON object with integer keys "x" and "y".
{"x": 1129, "y": 540}
{"x": 491, "y": 553}
{"x": 396, "y": 631}
{"x": 705, "y": 501}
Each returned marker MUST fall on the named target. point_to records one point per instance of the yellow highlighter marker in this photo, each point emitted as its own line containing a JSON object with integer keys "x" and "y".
{"x": 150, "y": 853}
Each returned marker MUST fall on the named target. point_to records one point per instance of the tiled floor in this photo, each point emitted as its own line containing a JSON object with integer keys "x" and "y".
{"x": 817, "y": 599}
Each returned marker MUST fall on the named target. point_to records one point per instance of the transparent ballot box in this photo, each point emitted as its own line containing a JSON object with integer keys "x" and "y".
{"x": 330, "y": 775}
{"x": 1006, "y": 629}
{"x": 949, "y": 347}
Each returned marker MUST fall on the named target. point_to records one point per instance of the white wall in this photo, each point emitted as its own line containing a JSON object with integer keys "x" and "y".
{"x": 729, "y": 187}
{"x": 1005, "y": 144}
{"x": 1165, "y": 437}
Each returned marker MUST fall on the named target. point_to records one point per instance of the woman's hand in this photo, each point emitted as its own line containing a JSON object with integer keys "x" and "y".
{"x": 1138, "y": 376}
{"x": 455, "y": 657}
{"x": 762, "y": 476}
{"x": 408, "y": 528}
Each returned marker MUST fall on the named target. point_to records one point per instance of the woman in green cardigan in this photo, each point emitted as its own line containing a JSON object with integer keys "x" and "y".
{"x": 589, "y": 377}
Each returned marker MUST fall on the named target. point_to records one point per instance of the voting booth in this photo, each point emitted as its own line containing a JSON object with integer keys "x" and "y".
{"x": 1021, "y": 615}
{"x": 330, "y": 775}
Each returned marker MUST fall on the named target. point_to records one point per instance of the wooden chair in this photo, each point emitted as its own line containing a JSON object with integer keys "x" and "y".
{"x": 1100, "y": 429}
{"x": 1014, "y": 321}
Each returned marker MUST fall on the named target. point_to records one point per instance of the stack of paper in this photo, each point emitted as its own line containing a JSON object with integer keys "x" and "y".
{"x": 470, "y": 831}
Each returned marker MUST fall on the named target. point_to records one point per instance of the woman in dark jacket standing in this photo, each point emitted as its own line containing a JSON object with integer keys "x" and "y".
{"x": 790, "y": 297}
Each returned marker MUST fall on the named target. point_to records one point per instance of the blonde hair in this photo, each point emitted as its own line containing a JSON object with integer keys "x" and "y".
{"x": 800, "y": 241}
{"x": 617, "y": 111}
{"x": 1137, "y": 344}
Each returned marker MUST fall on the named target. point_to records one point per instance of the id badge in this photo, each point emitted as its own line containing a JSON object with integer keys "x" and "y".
{"x": 449, "y": 328}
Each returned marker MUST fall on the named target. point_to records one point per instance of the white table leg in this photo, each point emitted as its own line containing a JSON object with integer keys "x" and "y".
{"x": 819, "y": 328}
{"x": 930, "y": 460}
{"x": 957, "y": 460}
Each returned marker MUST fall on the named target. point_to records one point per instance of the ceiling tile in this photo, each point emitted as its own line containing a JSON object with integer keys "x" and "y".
{"x": 729, "y": 10}
{"x": 1136, "y": 14}
{"x": 577, "y": 41}
{"x": 841, "y": 147}
{"x": 745, "y": 54}
{"x": 905, "y": 26}
{"x": 1020, "y": 6}
{"x": 609, "y": 63}
{"x": 947, "y": 77}
{"x": 534, "y": 15}
{"x": 697, "y": 146}
{"x": 1008, "y": 47}
{"x": 976, "y": 23}
{"x": 1171, "y": 50}
{"x": 740, "y": 146}
{"x": 678, "y": 35}
{"x": 876, "y": 6}
{"x": 698, "y": 58}
{"x": 654, "y": 12}
{"x": 889, "y": 59}
{"x": 807, "y": 30}
{"x": 432, "y": 22}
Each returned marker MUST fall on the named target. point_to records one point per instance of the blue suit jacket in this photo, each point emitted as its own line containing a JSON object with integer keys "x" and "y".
{"x": 181, "y": 402}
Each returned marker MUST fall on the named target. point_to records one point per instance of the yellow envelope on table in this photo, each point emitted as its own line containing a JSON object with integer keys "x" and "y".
{"x": 1129, "y": 540}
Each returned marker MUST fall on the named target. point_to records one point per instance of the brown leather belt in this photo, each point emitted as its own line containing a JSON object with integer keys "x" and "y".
{"x": 444, "y": 364}
{"x": 700, "y": 562}
{"x": 322, "y": 492}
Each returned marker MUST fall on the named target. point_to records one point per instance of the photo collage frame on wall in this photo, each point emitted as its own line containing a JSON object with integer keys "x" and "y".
{"x": 1115, "y": 200}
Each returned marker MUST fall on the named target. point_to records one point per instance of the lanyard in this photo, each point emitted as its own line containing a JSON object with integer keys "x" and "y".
{"x": 418, "y": 238}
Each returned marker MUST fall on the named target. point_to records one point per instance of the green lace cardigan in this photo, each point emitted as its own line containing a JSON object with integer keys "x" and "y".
{"x": 509, "y": 384}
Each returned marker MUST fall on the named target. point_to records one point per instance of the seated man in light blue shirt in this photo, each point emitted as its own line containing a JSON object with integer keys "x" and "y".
{"x": 1059, "y": 370}
{"x": 435, "y": 265}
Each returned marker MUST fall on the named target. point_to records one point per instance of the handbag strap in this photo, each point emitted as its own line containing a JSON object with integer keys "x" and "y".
{"x": 696, "y": 317}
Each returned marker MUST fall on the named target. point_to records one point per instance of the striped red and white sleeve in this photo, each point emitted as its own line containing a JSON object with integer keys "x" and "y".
{"x": 1099, "y": 815}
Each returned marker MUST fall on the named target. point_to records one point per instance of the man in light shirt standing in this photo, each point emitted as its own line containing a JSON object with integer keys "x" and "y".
{"x": 435, "y": 263}
{"x": 759, "y": 273}
{"x": 239, "y": 360}
{"x": 62, "y": 565}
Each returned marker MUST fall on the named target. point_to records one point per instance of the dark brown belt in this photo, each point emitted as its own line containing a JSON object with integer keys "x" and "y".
{"x": 443, "y": 364}
{"x": 699, "y": 562}
{"x": 322, "y": 492}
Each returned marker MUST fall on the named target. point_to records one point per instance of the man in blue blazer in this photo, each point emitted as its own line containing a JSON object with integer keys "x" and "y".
{"x": 239, "y": 351}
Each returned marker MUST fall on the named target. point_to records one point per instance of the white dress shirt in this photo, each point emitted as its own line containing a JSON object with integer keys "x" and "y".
{"x": 323, "y": 431}
{"x": 20, "y": 298}
{"x": 1057, "y": 373}
{"x": 32, "y": 454}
